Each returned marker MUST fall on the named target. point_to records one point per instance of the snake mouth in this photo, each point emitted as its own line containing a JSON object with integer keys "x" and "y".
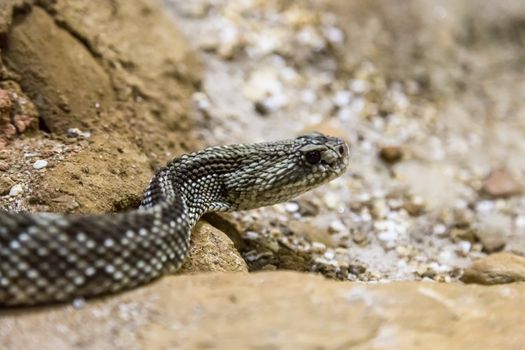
{"x": 338, "y": 157}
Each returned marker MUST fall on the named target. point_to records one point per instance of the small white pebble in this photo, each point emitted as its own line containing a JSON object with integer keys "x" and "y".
{"x": 439, "y": 229}
{"x": 342, "y": 98}
{"x": 465, "y": 246}
{"x": 16, "y": 190}
{"x": 330, "y": 255}
{"x": 331, "y": 200}
{"x": 79, "y": 303}
{"x": 337, "y": 226}
{"x": 388, "y": 236}
{"x": 251, "y": 235}
{"x": 75, "y": 132}
{"x": 291, "y": 207}
{"x": 40, "y": 164}
{"x": 318, "y": 246}
{"x": 520, "y": 221}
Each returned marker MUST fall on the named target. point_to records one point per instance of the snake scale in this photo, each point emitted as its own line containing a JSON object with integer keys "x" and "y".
{"x": 48, "y": 258}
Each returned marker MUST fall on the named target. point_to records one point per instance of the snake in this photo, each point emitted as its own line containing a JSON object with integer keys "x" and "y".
{"x": 48, "y": 258}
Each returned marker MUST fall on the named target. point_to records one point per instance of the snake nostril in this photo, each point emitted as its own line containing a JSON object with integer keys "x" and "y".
{"x": 341, "y": 150}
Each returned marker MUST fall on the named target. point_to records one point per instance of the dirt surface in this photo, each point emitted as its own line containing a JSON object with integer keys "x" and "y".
{"x": 430, "y": 97}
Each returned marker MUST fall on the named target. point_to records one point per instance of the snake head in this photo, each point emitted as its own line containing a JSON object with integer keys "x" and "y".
{"x": 272, "y": 172}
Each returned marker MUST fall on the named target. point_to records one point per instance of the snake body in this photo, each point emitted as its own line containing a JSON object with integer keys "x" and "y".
{"x": 48, "y": 258}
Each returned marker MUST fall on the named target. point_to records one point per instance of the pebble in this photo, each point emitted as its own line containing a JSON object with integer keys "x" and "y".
{"x": 76, "y": 132}
{"x": 501, "y": 183}
{"x": 496, "y": 269}
{"x": 391, "y": 154}
{"x": 464, "y": 247}
{"x": 415, "y": 207}
{"x": 16, "y": 190}
{"x": 492, "y": 231}
{"x": 359, "y": 237}
{"x": 457, "y": 234}
{"x": 331, "y": 200}
{"x": 318, "y": 247}
{"x": 79, "y": 303}
{"x": 388, "y": 236}
{"x": 308, "y": 208}
{"x": 291, "y": 207}
{"x": 342, "y": 98}
{"x": 40, "y": 164}
{"x": 251, "y": 235}
{"x": 337, "y": 226}
{"x": 5, "y": 185}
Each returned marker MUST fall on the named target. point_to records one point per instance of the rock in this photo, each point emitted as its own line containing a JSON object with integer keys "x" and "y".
{"x": 501, "y": 183}
{"x": 359, "y": 237}
{"x": 460, "y": 234}
{"x": 414, "y": 207}
{"x": 212, "y": 250}
{"x": 76, "y": 132}
{"x": 230, "y": 226}
{"x": 16, "y": 190}
{"x": 492, "y": 231}
{"x": 496, "y": 269}
{"x": 65, "y": 81}
{"x": 278, "y": 310}
{"x": 391, "y": 154}
{"x": 4, "y": 166}
{"x": 491, "y": 242}
{"x": 40, "y": 164}
{"x": 5, "y": 185}
{"x": 307, "y": 208}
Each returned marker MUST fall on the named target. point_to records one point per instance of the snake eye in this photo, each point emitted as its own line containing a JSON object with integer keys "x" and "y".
{"x": 341, "y": 150}
{"x": 313, "y": 157}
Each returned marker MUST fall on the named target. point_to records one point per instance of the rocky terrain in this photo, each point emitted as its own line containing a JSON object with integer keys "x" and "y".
{"x": 95, "y": 96}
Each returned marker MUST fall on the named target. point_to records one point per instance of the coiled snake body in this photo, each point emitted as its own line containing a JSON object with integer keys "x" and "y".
{"x": 47, "y": 258}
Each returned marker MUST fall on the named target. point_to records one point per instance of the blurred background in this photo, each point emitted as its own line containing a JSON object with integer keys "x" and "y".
{"x": 430, "y": 96}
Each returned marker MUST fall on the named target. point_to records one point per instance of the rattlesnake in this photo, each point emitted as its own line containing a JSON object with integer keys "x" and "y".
{"x": 48, "y": 258}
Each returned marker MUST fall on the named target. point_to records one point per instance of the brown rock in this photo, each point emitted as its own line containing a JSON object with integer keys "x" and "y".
{"x": 307, "y": 208}
{"x": 212, "y": 251}
{"x": 414, "y": 208}
{"x": 5, "y": 185}
{"x": 460, "y": 234}
{"x": 501, "y": 183}
{"x": 65, "y": 82}
{"x": 496, "y": 269}
{"x": 4, "y": 166}
{"x": 225, "y": 223}
{"x": 391, "y": 154}
{"x": 359, "y": 237}
{"x": 278, "y": 310}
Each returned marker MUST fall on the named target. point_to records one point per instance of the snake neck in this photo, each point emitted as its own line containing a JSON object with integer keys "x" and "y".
{"x": 180, "y": 182}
